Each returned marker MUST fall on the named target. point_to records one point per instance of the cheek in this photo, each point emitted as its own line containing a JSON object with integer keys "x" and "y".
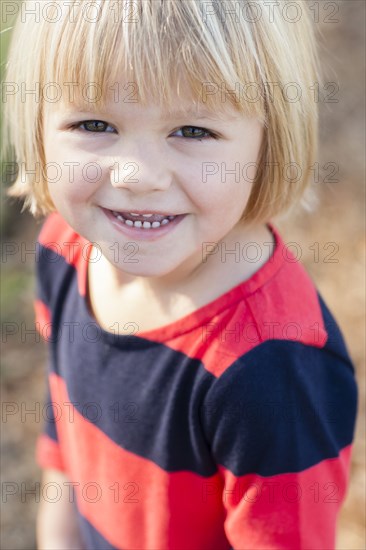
{"x": 70, "y": 185}
{"x": 73, "y": 178}
{"x": 225, "y": 182}
{"x": 219, "y": 192}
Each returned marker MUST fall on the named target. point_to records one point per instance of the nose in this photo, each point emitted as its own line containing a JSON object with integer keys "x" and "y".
{"x": 140, "y": 168}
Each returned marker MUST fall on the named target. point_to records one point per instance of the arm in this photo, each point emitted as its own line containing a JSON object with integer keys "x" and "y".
{"x": 57, "y": 526}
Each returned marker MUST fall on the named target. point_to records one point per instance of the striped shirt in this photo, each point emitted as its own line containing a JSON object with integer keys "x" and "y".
{"x": 229, "y": 428}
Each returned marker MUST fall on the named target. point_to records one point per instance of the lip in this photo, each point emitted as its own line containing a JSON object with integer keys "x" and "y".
{"x": 139, "y": 233}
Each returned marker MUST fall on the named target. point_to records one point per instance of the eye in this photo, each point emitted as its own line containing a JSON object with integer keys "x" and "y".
{"x": 93, "y": 126}
{"x": 196, "y": 133}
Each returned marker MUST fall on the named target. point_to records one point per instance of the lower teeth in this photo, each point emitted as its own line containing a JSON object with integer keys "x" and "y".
{"x": 139, "y": 224}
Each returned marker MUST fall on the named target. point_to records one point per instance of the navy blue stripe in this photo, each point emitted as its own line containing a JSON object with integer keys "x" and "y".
{"x": 282, "y": 408}
{"x": 51, "y": 271}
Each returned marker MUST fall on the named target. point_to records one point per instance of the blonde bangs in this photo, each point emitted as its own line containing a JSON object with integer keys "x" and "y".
{"x": 188, "y": 54}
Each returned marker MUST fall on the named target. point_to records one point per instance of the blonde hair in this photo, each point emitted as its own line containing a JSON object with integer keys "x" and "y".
{"x": 248, "y": 59}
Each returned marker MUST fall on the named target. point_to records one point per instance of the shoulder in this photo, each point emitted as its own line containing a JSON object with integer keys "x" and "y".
{"x": 278, "y": 394}
{"x": 290, "y": 376}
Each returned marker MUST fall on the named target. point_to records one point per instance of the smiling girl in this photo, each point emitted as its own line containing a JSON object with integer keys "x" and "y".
{"x": 202, "y": 392}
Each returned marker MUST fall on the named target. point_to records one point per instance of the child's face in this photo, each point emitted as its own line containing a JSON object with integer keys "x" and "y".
{"x": 144, "y": 160}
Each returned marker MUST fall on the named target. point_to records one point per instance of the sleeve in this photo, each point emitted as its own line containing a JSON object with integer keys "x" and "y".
{"x": 280, "y": 423}
{"x": 48, "y": 452}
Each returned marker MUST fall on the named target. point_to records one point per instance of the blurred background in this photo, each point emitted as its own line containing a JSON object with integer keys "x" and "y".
{"x": 339, "y": 219}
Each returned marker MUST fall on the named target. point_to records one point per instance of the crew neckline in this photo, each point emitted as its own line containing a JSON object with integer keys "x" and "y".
{"x": 204, "y": 313}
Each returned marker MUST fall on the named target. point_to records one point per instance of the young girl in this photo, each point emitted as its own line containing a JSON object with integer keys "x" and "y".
{"x": 202, "y": 395}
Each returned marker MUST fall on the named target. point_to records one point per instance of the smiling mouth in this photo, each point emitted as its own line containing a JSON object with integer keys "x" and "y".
{"x": 144, "y": 221}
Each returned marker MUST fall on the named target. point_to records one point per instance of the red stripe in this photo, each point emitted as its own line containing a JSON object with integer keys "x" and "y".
{"x": 265, "y": 315}
{"x": 295, "y": 510}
